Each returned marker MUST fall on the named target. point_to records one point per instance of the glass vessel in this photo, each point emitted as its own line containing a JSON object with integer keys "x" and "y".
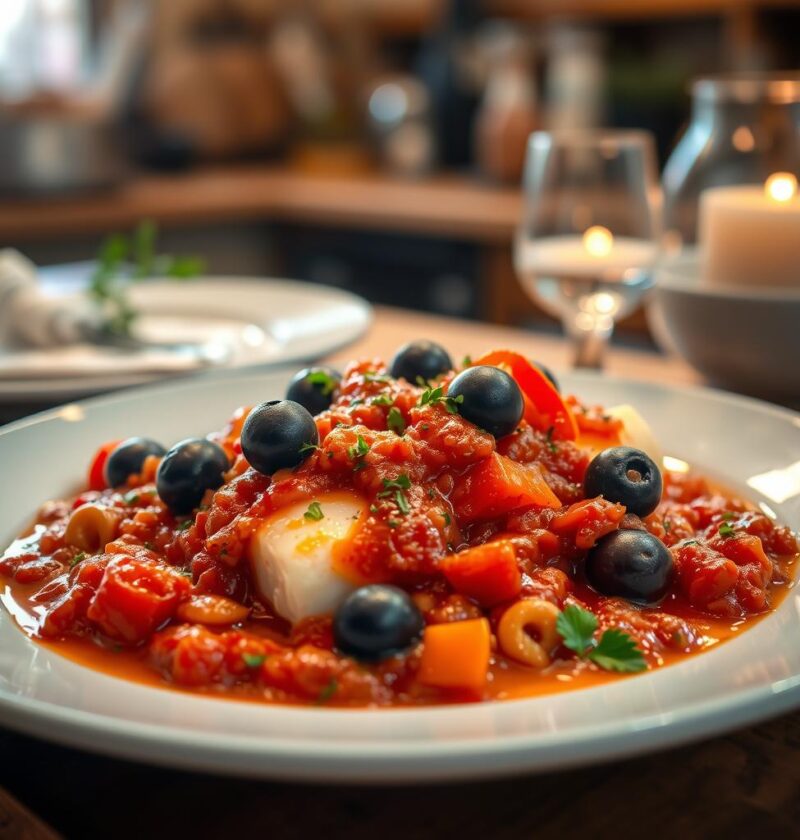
{"x": 742, "y": 129}
{"x": 589, "y": 234}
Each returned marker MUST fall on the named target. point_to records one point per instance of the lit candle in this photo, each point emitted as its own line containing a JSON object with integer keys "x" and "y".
{"x": 750, "y": 235}
{"x": 595, "y": 253}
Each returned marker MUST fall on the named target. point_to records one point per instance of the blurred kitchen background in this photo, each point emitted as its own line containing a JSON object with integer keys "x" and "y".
{"x": 372, "y": 145}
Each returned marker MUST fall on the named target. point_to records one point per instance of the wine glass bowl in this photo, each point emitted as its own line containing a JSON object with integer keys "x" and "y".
{"x": 587, "y": 241}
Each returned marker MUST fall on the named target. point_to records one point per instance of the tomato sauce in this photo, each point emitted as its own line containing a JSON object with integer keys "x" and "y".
{"x": 475, "y": 527}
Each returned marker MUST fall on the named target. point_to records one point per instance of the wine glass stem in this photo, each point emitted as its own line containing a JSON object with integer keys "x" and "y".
{"x": 590, "y": 338}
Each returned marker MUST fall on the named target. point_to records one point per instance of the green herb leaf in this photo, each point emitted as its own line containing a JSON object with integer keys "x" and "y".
{"x": 185, "y": 525}
{"x": 184, "y": 268}
{"x": 466, "y": 361}
{"x": 447, "y": 518}
{"x": 550, "y": 442}
{"x": 314, "y": 512}
{"x": 358, "y": 450}
{"x": 576, "y": 627}
{"x": 131, "y": 498}
{"x": 402, "y": 502}
{"x": 144, "y": 248}
{"x": 727, "y": 530}
{"x": 372, "y": 376}
{"x": 382, "y": 399}
{"x": 254, "y": 660}
{"x": 728, "y": 516}
{"x": 617, "y": 651}
{"x": 80, "y": 556}
{"x": 308, "y": 447}
{"x": 322, "y": 378}
{"x": 402, "y": 482}
{"x": 327, "y": 692}
{"x": 667, "y": 525}
{"x": 435, "y": 396}
{"x": 395, "y": 421}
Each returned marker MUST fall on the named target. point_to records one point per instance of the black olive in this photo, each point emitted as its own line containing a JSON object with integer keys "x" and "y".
{"x": 626, "y": 476}
{"x": 489, "y": 398}
{"x": 313, "y": 388}
{"x": 128, "y": 458}
{"x": 189, "y": 469}
{"x": 376, "y": 622}
{"x": 630, "y": 564}
{"x": 420, "y": 360}
{"x": 278, "y": 434}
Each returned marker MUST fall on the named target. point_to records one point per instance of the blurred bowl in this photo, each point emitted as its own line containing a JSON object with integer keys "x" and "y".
{"x": 742, "y": 339}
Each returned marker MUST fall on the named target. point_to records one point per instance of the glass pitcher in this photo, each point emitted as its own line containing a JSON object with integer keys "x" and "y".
{"x": 742, "y": 129}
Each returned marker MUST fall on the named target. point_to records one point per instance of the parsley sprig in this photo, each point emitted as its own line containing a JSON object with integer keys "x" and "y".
{"x": 254, "y": 660}
{"x": 127, "y": 259}
{"x": 615, "y": 650}
{"x": 314, "y": 512}
{"x": 436, "y": 396}
{"x": 356, "y": 453}
{"x": 326, "y": 382}
{"x": 396, "y": 487}
{"x": 395, "y": 421}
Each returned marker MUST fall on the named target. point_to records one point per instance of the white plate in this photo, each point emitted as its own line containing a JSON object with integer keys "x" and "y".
{"x": 258, "y": 321}
{"x": 750, "y": 445}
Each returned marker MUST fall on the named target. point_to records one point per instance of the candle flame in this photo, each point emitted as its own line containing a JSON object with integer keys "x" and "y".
{"x": 598, "y": 241}
{"x": 781, "y": 186}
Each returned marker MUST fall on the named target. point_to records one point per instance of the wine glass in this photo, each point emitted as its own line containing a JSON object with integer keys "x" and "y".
{"x": 588, "y": 238}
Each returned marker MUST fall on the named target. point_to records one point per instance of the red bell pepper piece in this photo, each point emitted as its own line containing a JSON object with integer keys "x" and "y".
{"x": 498, "y": 485}
{"x": 95, "y": 478}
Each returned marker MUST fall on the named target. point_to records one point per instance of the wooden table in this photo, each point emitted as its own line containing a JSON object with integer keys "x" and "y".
{"x": 743, "y": 784}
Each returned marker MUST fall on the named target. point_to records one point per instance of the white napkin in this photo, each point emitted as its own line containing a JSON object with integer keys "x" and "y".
{"x": 30, "y": 317}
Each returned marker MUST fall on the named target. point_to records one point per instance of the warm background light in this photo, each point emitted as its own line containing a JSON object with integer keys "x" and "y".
{"x": 598, "y": 241}
{"x": 781, "y": 186}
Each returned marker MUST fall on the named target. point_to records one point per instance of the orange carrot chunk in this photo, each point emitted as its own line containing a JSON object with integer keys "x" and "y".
{"x": 487, "y": 573}
{"x": 456, "y": 655}
{"x": 499, "y": 485}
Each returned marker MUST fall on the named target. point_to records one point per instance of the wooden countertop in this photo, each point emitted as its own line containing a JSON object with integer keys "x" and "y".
{"x": 450, "y": 205}
{"x": 747, "y": 783}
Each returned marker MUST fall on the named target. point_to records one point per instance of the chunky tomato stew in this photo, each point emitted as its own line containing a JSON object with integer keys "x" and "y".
{"x": 405, "y": 534}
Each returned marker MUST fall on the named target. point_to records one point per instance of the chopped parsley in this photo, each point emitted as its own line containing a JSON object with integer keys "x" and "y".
{"x": 314, "y": 512}
{"x": 187, "y": 573}
{"x": 396, "y": 487}
{"x": 372, "y": 376}
{"x": 550, "y": 442}
{"x": 81, "y": 555}
{"x": 615, "y": 651}
{"x": 185, "y": 525}
{"x": 322, "y": 378}
{"x": 727, "y": 530}
{"x": 447, "y": 518}
{"x": 308, "y": 447}
{"x": 254, "y": 660}
{"x": 327, "y": 691}
{"x": 667, "y": 525}
{"x": 356, "y": 453}
{"x": 383, "y": 399}
{"x": 728, "y": 516}
{"x": 131, "y": 498}
{"x": 149, "y": 545}
{"x": 436, "y": 396}
{"x": 466, "y": 361}
{"x": 395, "y": 421}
